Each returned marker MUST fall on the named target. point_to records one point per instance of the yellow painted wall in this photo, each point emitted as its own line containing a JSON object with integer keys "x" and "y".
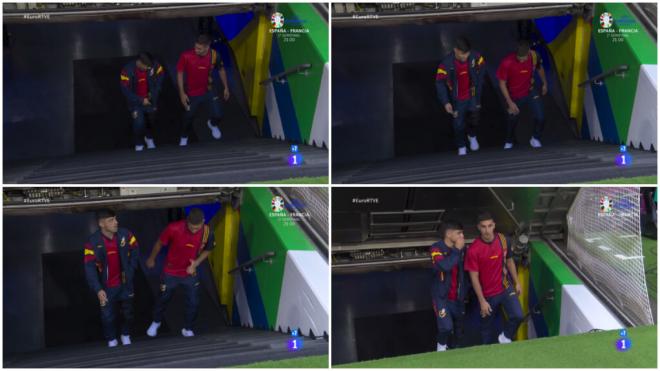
{"x": 223, "y": 257}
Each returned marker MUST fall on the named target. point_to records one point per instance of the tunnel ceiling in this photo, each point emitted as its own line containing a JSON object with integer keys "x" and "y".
{"x": 360, "y": 15}
{"x": 113, "y": 12}
{"x": 37, "y": 201}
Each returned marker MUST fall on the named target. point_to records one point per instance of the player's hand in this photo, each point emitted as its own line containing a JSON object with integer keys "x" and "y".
{"x": 513, "y": 108}
{"x": 151, "y": 262}
{"x": 226, "y": 94}
{"x": 192, "y": 268}
{"x": 185, "y": 101}
{"x": 103, "y": 297}
{"x": 145, "y": 102}
{"x": 544, "y": 89}
{"x": 486, "y": 310}
{"x": 449, "y": 108}
{"x": 518, "y": 289}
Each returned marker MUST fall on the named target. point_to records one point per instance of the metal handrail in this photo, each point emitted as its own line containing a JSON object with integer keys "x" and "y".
{"x": 280, "y": 76}
{"x": 598, "y": 79}
{"x": 247, "y": 266}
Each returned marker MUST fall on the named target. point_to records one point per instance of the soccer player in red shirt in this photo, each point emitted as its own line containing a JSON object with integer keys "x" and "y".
{"x": 459, "y": 80}
{"x": 110, "y": 258}
{"x": 141, "y": 82}
{"x": 485, "y": 263}
{"x": 196, "y": 85}
{"x": 190, "y": 242}
{"x": 448, "y": 289}
{"x": 516, "y": 79}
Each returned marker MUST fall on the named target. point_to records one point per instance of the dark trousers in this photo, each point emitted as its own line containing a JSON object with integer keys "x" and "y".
{"x": 116, "y": 296}
{"x": 190, "y": 285}
{"x": 533, "y": 99}
{"x": 215, "y": 111}
{"x": 509, "y": 301}
{"x": 463, "y": 109}
{"x": 449, "y": 319}
{"x": 144, "y": 118}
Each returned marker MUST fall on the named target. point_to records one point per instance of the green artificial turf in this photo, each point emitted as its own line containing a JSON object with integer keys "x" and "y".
{"x": 300, "y": 362}
{"x": 650, "y": 250}
{"x": 649, "y": 179}
{"x": 593, "y": 350}
{"x": 300, "y": 180}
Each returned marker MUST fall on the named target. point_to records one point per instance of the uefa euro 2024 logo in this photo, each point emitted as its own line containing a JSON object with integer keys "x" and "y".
{"x": 606, "y": 20}
{"x": 605, "y": 205}
{"x": 277, "y": 20}
{"x": 277, "y": 204}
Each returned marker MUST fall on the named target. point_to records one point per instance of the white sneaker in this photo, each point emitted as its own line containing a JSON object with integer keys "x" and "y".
{"x": 474, "y": 145}
{"x": 462, "y": 151}
{"x": 508, "y": 145}
{"x": 502, "y": 339}
{"x": 139, "y": 148}
{"x": 126, "y": 340}
{"x": 112, "y": 343}
{"x": 215, "y": 131}
{"x": 150, "y": 143}
{"x": 183, "y": 141}
{"x": 535, "y": 143}
{"x": 441, "y": 348}
{"x": 153, "y": 329}
{"x": 187, "y": 333}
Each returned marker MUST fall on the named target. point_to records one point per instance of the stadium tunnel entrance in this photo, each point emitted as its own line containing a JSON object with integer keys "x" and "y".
{"x": 401, "y": 128}
{"x": 52, "y": 316}
{"x": 382, "y": 273}
{"x": 67, "y": 119}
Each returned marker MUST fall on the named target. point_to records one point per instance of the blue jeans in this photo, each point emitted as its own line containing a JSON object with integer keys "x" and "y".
{"x": 168, "y": 285}
{"x": 215, "y": 111}
{"x": 108, "y": 312}
{"x": 141, "y": 124}
{"x": 509, "y": 301}
{"x": 463, "y": 108}
{"x": 534, "y": 101}
{"x": 449, "y": 319}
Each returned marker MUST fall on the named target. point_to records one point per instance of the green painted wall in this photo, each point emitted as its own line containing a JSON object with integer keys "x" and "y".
{"x": 268, "y": 231}
{"x": 311, "y": 48}
{"x": 548, "y": 272}
{"x": 634, "y": 50}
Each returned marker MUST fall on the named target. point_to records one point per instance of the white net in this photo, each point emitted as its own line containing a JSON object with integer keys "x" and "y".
{"x": 604, "y": 238}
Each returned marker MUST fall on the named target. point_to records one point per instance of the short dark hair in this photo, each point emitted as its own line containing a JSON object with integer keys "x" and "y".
{"x": 484, "y": 215}
{"x": 461, "y": 43}
{"x": 195, "y": 216}
{"x": 105, "y": 213}
{"x": 450, "y": 225}
{"x": 146, "y": 58}
{"x": 203, "y": 39}
{"x": 523, "y": 48}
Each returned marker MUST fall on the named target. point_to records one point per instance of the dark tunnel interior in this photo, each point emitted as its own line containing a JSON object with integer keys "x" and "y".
{"x": 388, "y": 312}
{"x": 61, "y": 86}
{"x": 47, "y": 300}
{"x": 389, "y": 73}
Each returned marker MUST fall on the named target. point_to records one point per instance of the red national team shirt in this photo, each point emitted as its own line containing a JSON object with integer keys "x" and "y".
{"x": 113, "y": 275}
{"x": 196, "y": 70}
{"x": 486, "y": 258}
{"x": 463, "y": 78}
{"x": 183, "y": 246}
{"x": 518, "y": 76}
{"x": 141, "y": 86}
